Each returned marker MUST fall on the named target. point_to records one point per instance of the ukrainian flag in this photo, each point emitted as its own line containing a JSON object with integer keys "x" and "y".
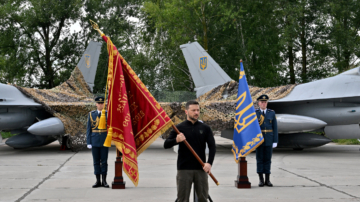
{"x": 247, "y": 132}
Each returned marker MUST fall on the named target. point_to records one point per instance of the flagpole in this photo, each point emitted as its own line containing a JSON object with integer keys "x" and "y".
{"x": 196, "y": 156}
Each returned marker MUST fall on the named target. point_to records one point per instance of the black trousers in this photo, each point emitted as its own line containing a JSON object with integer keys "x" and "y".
{"x": 263, "y": 159}
{"x": 100, "y": 157}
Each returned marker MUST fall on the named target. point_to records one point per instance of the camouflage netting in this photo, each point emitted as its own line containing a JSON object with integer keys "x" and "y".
{"x": 70, "y": 102}
{"x": 216, "y": 110}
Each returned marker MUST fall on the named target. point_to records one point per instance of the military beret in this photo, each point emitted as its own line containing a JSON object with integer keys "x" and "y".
{"x": 263, "y": 98}
{"x": 99, "y": 99}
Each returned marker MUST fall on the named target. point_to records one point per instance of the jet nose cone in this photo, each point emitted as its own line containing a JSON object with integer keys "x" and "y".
{"x": 50, "y": 126}
{"x": 288, "y": 123}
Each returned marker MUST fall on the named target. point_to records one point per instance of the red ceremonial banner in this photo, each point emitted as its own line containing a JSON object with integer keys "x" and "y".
{"x": 134, "y": 116}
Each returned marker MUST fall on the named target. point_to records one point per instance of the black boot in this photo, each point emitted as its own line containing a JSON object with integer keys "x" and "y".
{"x": 267, "y": 180}
{"x": 104, "y": 183}
{"x": 261, "y": 180}
{"x": 97, "y": 183}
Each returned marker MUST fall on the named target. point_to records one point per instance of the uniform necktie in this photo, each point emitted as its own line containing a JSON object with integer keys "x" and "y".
{"x": 263, "y": 112}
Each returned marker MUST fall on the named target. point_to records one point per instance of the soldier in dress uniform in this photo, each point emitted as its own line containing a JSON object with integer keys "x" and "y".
{"x": 95, "y": 140}
{"x": 268, "y": 125}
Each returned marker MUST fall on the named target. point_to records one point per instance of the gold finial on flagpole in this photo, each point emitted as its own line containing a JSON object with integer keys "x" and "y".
{"x": 96, "y": 27}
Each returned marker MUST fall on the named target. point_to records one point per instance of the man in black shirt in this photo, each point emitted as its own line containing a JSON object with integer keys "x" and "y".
{"x": 189, "y": 169}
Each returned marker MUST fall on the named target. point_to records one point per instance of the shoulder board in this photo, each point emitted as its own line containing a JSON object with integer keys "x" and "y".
{"x": 257, "y": 109}
{"x": 93, "y": 111}
{"x": 270, "y": 110}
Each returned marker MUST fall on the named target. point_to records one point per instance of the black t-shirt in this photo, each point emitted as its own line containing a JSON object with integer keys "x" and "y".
{"x": 197, "y": 135}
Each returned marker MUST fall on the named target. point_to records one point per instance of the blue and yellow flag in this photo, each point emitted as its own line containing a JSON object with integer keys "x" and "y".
{"x": 247, "y": 132}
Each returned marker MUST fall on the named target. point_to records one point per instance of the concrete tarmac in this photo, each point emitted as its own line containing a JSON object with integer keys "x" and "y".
{"x": 328, "y": 173}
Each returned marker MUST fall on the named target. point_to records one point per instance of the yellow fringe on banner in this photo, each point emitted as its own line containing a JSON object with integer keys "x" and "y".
{"x": 107, "y": 142}
{"x": 102, "y": 123}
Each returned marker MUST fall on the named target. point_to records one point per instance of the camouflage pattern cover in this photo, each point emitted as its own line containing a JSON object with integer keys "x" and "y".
{"x": 217, "y": 107}
{"x": 71, "y": 102}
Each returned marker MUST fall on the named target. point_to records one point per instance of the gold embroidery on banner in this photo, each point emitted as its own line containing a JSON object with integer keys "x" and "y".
{"x": 158, "y": 105}
{"x": 146, "y": 134}
{"x": 127, "y": 120}
{"x": 133, "y": 173}
{"x": 122, "y": 81}
{"x": 157, "y": 122}
{"x": 242, "y": 122}
{"x": 248, "y": 145}
{"x": 133, "y": 106}
{"x": 153, "y": 127}
{"x": 149, "y": 131}
{"x": 122, "y": 101}
{"x": 138, "y": 117}
{"x": 141, "y": 137}
{"x": 130, "y": 95}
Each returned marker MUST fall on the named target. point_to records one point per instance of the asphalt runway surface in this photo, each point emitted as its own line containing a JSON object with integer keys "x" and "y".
{"x": 327, "y": 173}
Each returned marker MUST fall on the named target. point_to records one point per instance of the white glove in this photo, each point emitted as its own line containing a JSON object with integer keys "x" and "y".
{"x": 274, "y": 145}
{"x": 89, "y": 146}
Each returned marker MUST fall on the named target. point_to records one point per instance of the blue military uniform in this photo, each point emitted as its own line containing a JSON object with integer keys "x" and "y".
{"x": 268, "y": 125}
{"x": 96, "y": 138}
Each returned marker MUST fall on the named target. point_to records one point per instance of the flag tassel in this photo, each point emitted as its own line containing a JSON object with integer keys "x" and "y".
{"x": 102, "y": 123}
{"x": 108, "y": 139}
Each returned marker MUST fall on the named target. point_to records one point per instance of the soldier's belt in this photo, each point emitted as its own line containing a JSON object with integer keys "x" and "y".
{"x": 99, "y": 131}
{"x": 266, "y": 131}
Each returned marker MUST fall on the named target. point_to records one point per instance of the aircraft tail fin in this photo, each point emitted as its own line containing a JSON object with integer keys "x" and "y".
{"x": 206, "y": 73}
{"x": 89, "y": 62}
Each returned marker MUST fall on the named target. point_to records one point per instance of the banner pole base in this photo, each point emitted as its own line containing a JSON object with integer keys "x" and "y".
{"x": 118, "y": 182}
{"x": 242, "y": 180}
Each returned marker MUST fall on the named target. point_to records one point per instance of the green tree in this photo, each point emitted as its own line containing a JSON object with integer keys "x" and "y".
{"x": 344, "y": 26}
{"x": 36, "y": 40}
{"x": 175, "y": 22}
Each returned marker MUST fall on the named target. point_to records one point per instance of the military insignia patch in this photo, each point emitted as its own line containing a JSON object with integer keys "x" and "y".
{"x": 201, "y": 131}
{"x": 203, "y": 63}
{"x": 101, "y": 99}
{"x": 87, "y": 60}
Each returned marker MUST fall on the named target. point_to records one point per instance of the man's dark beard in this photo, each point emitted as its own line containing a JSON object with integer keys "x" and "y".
{"x": 192, "y": 118}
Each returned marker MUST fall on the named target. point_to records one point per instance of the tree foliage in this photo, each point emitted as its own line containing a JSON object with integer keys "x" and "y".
{"x": 280, "y": 41}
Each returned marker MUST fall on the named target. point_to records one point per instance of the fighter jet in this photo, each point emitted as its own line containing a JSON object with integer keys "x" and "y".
{"x": 330, "y": 106}
{"x": 21, "y": 115}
